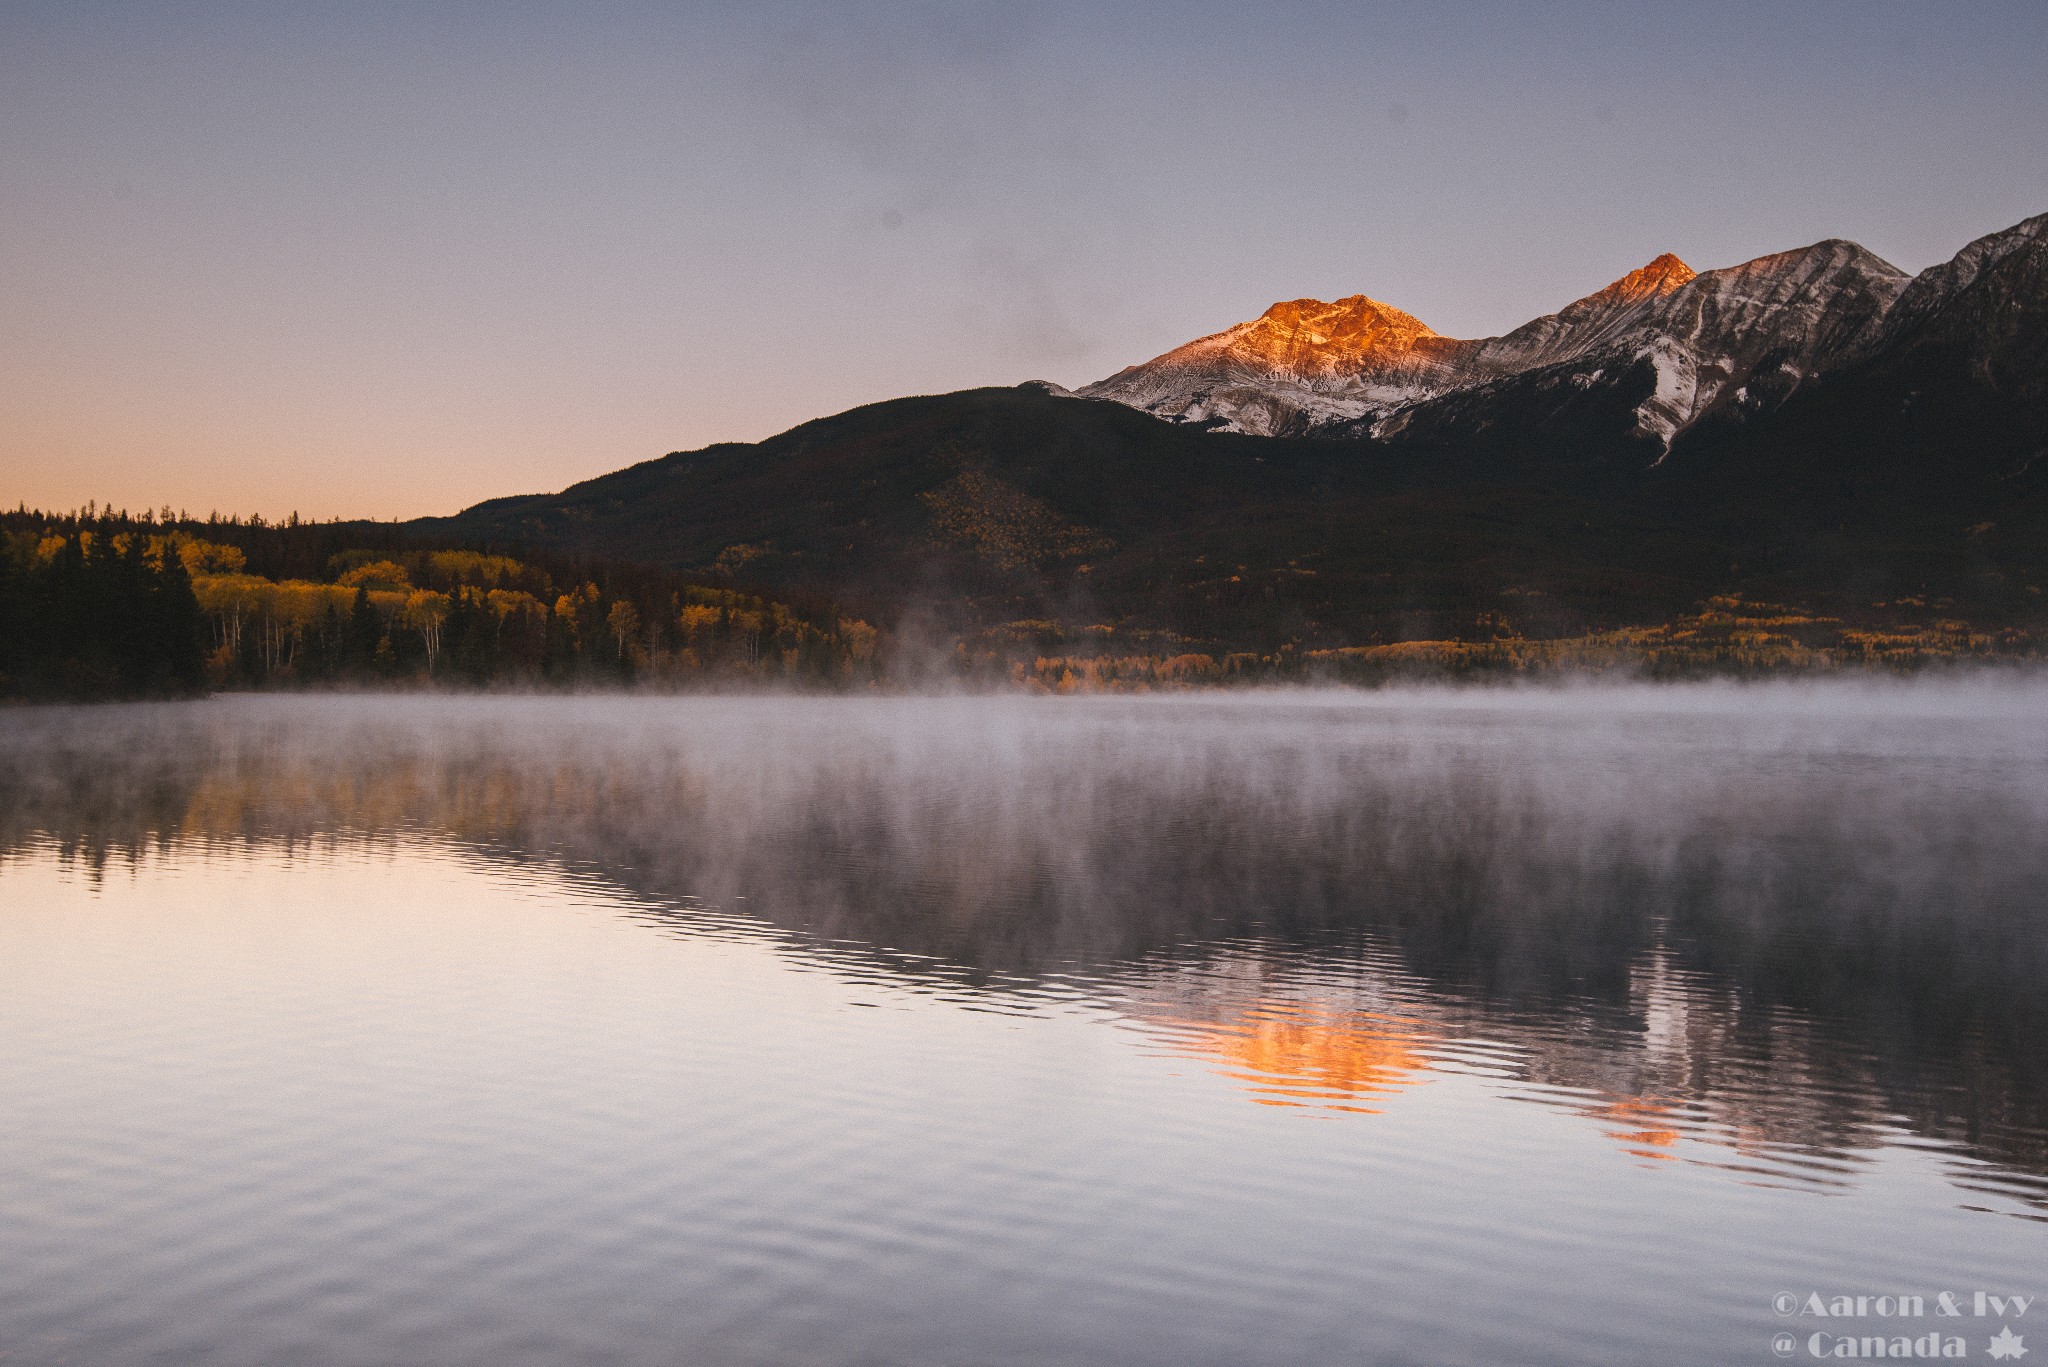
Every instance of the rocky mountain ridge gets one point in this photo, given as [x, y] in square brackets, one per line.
[1667, 346]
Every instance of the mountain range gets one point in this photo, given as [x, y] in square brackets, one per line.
[1814, 427]
[1683, 347]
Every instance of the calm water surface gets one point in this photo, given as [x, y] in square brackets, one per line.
[1544, 1028]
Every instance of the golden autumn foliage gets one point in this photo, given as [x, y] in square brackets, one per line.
[473, 568]
[505, 602]
[1726, 634]
[372, 622]
[624, 622]
[132, 606]
[1116, 673]
[378, 574]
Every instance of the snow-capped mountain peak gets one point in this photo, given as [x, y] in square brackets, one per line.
[1306, 365]
[1675, 345]
[1300, 363]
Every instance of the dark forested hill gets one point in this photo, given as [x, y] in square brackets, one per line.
[993, 506]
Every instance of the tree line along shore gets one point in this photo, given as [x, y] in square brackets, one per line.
[102, 605]
[110, 605]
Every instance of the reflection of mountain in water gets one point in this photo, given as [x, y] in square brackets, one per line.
[1296, 1052]
[1681, 1073]
[1769, 931]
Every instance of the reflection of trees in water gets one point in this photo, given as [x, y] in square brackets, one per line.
[1771, 940]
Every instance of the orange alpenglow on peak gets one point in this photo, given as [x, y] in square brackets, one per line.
[1354, 319]
[1661, 276]
[1298, 331]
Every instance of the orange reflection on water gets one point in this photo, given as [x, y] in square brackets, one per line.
[1290, 1053]
[1637, 1120]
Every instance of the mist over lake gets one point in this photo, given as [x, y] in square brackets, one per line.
[1564, 1025]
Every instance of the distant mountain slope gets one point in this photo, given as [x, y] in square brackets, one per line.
[1930, 443]
[1986, 310]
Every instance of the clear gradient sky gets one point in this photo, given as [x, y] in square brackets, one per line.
[390, 259]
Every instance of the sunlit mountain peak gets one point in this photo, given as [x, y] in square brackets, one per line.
[1297, 329]
[1659, 277]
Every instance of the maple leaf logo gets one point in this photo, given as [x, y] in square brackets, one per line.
[2008, 1344]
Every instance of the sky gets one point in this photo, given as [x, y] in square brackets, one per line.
[386, 260]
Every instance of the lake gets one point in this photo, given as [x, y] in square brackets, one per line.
[1603, 1025]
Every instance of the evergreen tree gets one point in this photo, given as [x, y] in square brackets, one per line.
[181, 631]
[359, 643]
